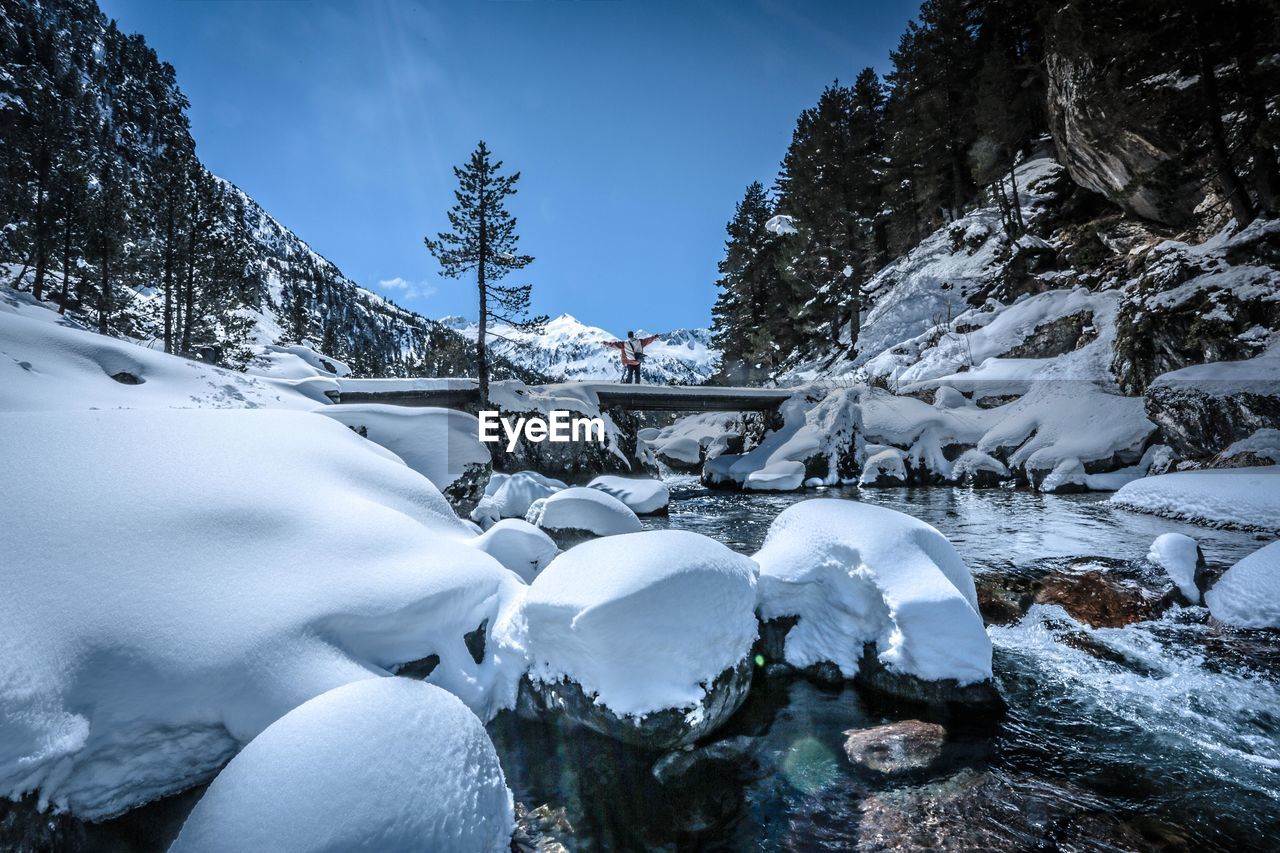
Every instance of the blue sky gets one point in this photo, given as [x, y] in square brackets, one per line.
[636, 125]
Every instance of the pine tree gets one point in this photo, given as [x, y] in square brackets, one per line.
[483, 240]
[742, 322]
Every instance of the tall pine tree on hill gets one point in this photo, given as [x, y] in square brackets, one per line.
[483, 240]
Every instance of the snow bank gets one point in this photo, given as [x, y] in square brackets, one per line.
[511, 495]
[518, 546]
[644, 497]
[222, 568]
[1259, 375]
[1178, 555]
[819, 441]
[295, 361]
[855, 573]
[1248, 595]
[383, 763]
[442, 445]
[581, 508]
[644, 621]
[1247, 498]
[48, 363]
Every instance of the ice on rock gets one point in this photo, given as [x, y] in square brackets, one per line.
[384, 764]
[645, 623]
[440, 444]
[1179, 556]
[510, 496]
[643, 496]
[519, 546]
[854, 574]
[1248, 595]
[581, 509]
[232, 567]
[1247, 498]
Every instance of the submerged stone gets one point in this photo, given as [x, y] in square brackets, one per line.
[895, 747]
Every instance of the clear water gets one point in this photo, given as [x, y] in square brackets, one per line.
[1177, 748]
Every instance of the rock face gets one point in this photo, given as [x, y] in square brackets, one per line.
[661, 730]
[1108, 133]
[895, 747]
[1198, 424]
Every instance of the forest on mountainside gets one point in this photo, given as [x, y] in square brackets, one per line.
[1165, 113]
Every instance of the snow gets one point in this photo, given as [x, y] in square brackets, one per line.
[1247, 498]
[295, 361]
[1248, 594]
[972, 462]
[568, 349]
[581, 508]
[48, 363]
[643, 496]
[781, 226]
[884, 465]
[691, 438]
[510, 496]
[855, 573]
[222, 568]
[518, 546]
[1264, 444]
[1259, 375]
[644, 621]
[378, 764]
[440, 444]
[1178, 555]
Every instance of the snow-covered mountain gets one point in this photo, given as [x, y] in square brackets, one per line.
[570, 349]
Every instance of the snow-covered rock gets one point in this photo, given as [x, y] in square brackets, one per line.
[511, 495]
[1179, 555]
[644, 497]
[645, 636]
[519, 546]
[237, 565]
[383, 763]
[579, 511]
[884, 468]
[975, 468]
[442, 445]
[877, 593]
[1245, 498]
[1260, 448]
[686, 443]
[1248, 594]
[295, 361]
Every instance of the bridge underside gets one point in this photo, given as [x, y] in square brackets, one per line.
[657, 398]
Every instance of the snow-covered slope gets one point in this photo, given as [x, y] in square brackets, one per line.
[569, 349]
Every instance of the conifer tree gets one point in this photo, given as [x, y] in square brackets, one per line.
[742, 320]
[483, 240]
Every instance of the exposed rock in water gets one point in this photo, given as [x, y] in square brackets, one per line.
[895, 747]
[542, 830]
[24, 827]
[873, 675]
[992, 811]
[1099, 592]
[735, 756]
[662, 730]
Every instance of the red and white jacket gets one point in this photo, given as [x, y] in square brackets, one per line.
[631, 347]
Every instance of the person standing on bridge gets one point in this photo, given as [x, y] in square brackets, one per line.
[632, 355]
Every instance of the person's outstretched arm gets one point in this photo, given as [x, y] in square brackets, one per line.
[614, 344]
[644, 342]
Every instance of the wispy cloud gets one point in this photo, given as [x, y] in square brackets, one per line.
[402, 288]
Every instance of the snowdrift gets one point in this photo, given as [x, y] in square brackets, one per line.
[383, 763]
[1246, 498]
[218, 569]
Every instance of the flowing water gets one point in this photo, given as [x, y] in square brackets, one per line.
[1172, 742]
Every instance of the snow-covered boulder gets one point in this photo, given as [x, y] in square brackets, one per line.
[684, 445]
[1260, 448]
[978, 469]
[578, 512]
[238, 564]
[644, 637]
[643, 496]
[878, 594]
[295, 361]
[1248, 594]
[519, 546]
[511, 495]
[442, 445]
[383, 763]
[1179, 555]
[884, 468]
[1245, 498]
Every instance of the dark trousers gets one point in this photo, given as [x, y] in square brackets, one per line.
[632, 375]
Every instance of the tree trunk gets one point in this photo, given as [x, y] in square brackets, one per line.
[42, 197]
[66, 262]
[168, 275]
[1220, 155]
[104, 298]
[189, 299]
